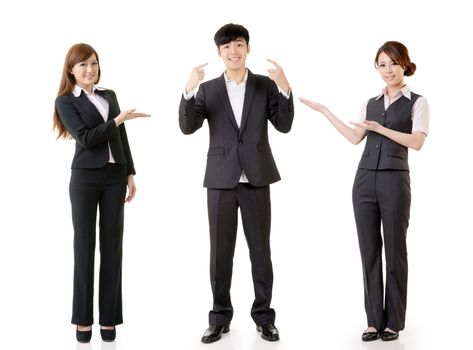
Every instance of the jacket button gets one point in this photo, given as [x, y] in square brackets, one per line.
[377, 146]
[240, 142]
[382, 115]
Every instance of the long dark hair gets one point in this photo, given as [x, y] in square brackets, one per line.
[77, 53]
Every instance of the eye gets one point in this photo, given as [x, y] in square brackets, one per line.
[382, 65]
[95, 63]
[82, 64]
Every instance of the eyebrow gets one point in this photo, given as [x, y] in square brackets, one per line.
[239, 40]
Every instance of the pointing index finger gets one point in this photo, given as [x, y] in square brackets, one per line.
[273, 63]
[202, 65]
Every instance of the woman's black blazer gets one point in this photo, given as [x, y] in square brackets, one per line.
[84, 122]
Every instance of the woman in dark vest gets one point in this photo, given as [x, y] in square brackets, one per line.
[393, 121]
[102, 170]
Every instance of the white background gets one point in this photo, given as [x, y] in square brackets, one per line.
[147, 51]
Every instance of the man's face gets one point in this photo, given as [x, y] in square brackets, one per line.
[234, 54]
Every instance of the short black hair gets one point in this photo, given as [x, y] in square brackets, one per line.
[231, 32]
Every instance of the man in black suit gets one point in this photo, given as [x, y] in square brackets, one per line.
[240, 168]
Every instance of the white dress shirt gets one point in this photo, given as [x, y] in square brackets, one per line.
[236, 95]
[100, 103]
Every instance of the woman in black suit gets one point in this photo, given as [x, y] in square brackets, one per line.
[102, 169]
[393, 121]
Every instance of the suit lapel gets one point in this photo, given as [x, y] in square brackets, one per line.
[92, 108]
[249, 94]
[223, 95]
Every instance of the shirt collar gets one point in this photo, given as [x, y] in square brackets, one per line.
[78, 90]
[244, 79]
[406, 91]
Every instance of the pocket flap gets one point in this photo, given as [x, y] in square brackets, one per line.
[398, 153]
[216, 151]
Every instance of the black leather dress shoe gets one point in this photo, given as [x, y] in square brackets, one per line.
[370, 336]
[388, 336]
[83, 336]
[108, 334]
[269, 332]
[214, 333]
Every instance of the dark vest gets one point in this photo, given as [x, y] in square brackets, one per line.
[380, 152]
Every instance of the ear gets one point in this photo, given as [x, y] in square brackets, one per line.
[218, 52]
[248, 48]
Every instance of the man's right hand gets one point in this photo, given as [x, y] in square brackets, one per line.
[197, 75]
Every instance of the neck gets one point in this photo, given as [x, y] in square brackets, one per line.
[88, 88]
[394, 89]
[236, 75]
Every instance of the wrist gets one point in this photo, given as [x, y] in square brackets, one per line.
[286, 88]
[119, 120]
[189, 89]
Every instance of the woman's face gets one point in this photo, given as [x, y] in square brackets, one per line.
[86, 72]
[391, 72]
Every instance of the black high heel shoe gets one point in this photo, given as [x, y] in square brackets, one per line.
[370, 336]
[108, 334]
[83, 336]
[388, 336]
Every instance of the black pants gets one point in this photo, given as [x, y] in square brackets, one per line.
[383, 197]
[106, 188]
[255, 207]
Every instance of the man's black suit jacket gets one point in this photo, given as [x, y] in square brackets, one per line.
[84, 122]
[231, 148]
